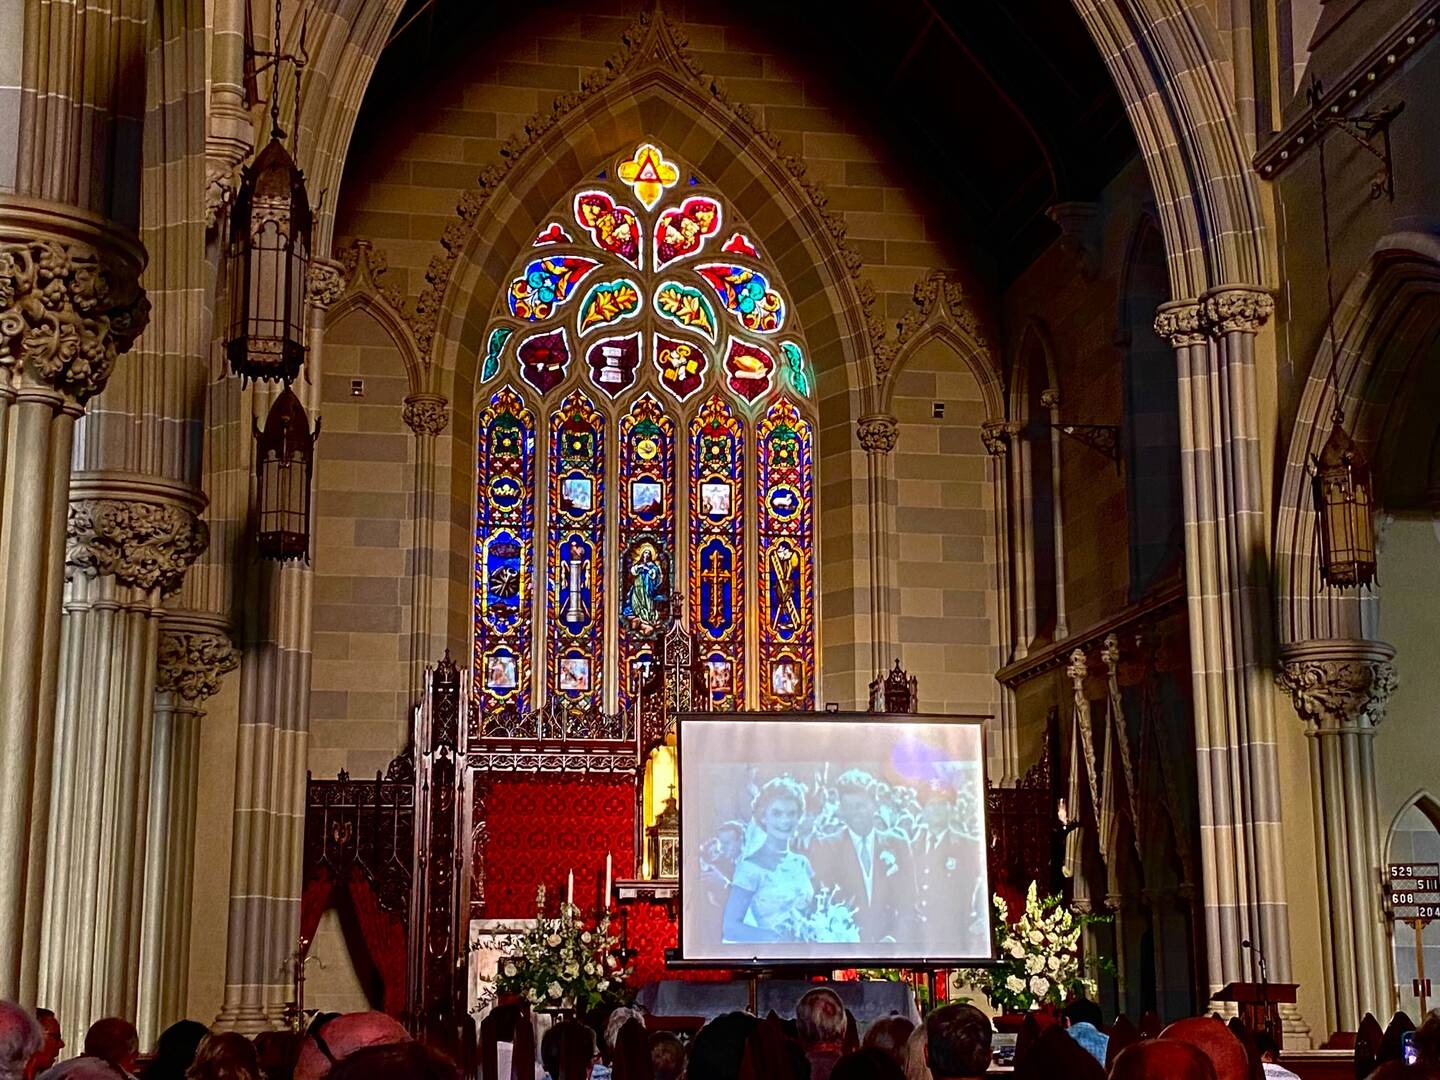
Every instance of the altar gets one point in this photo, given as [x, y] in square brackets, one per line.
[448, 850]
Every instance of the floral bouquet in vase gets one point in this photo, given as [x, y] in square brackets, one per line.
[1039, 957]
[564, 963]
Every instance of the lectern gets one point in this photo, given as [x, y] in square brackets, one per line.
[1260, 1004]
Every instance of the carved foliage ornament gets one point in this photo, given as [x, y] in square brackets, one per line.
[878, 433]
[192, 663]
[326, 283]
[144, 545]
[1221, 312]
[66, 312]
[1341, 694]
[996, 435]
[426, 415]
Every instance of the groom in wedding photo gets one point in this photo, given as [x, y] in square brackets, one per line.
[873, 867]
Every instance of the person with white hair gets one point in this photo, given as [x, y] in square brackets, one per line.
[617, 1020]
[20, 1037]
[83, 1067]
[820, 1022]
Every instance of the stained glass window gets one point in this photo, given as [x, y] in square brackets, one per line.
[647, 538]
[786, 563]
[504, 551]
[576, 612]
[644, 325]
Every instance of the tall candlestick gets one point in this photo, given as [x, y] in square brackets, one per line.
[609, 872]
[570, 890]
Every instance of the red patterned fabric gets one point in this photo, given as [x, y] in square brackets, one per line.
[650, 931]
[538, 828]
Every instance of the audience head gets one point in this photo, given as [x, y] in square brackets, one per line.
[332, 1038]
[1083, 1011]
[175, 1049]
[667, 1056]
[568, 1051]
[20, 1039]
[1054, 1053]
[1162, 1059]
[1427, 1042]
[51, 1043]
[224, 1056]
[114, 1041]
[396, 1061]
[957, 1042]
[868, 1063]
[276, 1051]
[617, 1020]
[820, 1017]
[719, 1047]
[888, 1034]
[913, 1061]
[1213, 1039]
[82, 1068]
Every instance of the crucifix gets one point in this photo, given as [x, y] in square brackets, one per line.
[717, 577]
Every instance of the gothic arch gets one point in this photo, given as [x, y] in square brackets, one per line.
[1397, 292]
[363, 292]
[1127, 313]
[941, 313]
[653, 91]
[1422, 800]
[1034, 339]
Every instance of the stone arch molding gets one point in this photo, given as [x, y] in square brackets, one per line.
[1404, 268]
[364, 267]
[942, 313]
[1036, 330]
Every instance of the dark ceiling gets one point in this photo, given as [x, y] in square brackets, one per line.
[1000, 108]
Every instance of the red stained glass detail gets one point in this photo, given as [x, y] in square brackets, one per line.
[683, 230]
[612, 227]
[554, 233]
[748, 369]
[739, 244]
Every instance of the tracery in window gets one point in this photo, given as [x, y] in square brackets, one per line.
[675, 457]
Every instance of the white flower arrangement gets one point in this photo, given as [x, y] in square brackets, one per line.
[1039, 956]
[563, 962]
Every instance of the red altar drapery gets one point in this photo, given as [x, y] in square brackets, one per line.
[374, 937]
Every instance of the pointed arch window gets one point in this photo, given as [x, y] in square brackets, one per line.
[675, 457]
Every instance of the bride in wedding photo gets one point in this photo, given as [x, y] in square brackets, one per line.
[773, 888]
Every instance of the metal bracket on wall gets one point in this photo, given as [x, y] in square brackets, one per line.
[1104, 438]
[1372, 131]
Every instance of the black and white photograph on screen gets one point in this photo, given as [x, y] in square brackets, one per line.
[828, 839]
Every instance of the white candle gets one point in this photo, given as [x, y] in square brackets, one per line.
[609, 869]
[570, 889]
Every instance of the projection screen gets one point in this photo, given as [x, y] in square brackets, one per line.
[850, 838]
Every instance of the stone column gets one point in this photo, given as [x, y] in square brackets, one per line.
[878, 434]
[70, 302]
[1340, 688]
[427, 415]
[127, 545]
[194, 653]
[1228, 594]
[1050, 399]
[270, 755]
[995, 435]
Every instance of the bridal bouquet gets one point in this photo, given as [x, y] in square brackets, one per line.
[565, 962]
[829, 921]
[1039, 958]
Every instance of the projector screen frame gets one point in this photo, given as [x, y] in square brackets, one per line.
[676, 958]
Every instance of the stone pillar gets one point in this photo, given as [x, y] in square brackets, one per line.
[270, 755]
[70, 302]
[995, 435]
[1228, 590]
[1050, 399]
[1340, 688]
[127, 546]
[427, 415]
[194, 653]
[878, 434]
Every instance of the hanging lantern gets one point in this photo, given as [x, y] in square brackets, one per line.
[269, 257]
[284, 457]
[1345, 508]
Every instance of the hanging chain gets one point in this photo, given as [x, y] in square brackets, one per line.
[275, 76]
[1339, 414]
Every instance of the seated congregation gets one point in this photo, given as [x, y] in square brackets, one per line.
[822, 1042]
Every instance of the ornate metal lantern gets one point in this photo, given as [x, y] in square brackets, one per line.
[284, 457]
[269, 256]
[1345, 508]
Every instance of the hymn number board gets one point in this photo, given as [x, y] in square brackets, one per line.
[1414, 890]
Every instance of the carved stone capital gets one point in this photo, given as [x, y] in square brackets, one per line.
[219, 190]
[426, 414]
[1239, 307]
[1050, 398]
[1338, 685]
[878, 433]
[1179, 324]
[326, 283]
[146, 545]
[192, 662]
[1077, 668]
[70, 297]
[996, 435]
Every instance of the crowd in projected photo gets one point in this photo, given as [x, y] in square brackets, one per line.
[830, 855]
